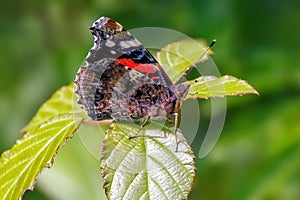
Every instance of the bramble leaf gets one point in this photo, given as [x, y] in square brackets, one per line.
[61, 102]
[211, 86]
[53, 124]
[148, 166]
[21, 164]
[176, 58]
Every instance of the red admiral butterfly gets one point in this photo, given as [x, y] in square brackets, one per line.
[122, 81]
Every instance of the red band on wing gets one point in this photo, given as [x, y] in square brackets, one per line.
[144, 68]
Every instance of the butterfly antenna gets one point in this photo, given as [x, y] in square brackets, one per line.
[213, 42]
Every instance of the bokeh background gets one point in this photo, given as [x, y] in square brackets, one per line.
[43, 43]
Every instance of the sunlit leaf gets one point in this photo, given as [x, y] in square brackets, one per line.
[21, 164]
[178, 57]
[211, 86]
[146, 167]
[55, 122]
[63, 101]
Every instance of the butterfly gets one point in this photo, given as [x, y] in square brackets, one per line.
[122, 81]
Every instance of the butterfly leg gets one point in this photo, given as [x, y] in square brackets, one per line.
[175, 130]
[146, 119]
[176, 120]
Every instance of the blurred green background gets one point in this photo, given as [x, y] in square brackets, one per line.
[43, 43]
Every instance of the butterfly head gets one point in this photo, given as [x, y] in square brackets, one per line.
[181, 91]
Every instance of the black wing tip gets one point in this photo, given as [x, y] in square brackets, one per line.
[106, 26]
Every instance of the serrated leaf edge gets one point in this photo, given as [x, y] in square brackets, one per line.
[31, 187]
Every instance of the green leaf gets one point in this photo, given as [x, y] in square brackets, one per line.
[75, 174]
[211, 86]
[146, 167]
[54, 123]
[21, 164]
[62, 101]
[176, 58]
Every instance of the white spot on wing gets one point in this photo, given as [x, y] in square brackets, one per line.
[124, 44]
[133, 43]
[110, 43]
[129, 43]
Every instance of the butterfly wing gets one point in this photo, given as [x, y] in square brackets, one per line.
[116, 69]
[111, 40]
